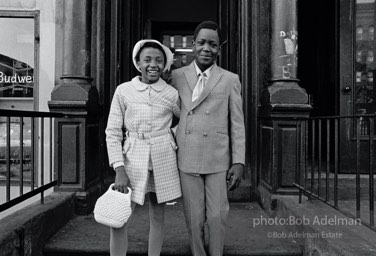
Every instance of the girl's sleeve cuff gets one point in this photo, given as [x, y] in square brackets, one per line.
[117, 164]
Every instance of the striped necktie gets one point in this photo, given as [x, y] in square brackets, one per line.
[199, 86]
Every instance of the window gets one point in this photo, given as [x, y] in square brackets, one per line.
[365, 67]
[18, 51]
[181, 46]
[365, 98]
[359, 33]
[19, 46]
[371, 33]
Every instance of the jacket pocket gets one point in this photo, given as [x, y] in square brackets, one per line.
[219, 95]
[225, 132]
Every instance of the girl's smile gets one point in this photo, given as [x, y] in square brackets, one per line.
[151, 65]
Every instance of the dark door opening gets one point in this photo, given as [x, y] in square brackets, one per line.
[173, 24]
[317, 64]
[336, 67]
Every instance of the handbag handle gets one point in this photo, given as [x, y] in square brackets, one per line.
[112, 188]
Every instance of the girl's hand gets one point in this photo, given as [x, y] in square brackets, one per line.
[122, 181]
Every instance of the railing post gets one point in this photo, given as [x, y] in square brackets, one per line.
[77, 137]
[282, 102]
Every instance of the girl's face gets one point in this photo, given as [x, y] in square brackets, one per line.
[151, 64]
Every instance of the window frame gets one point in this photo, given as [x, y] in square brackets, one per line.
[35, 15]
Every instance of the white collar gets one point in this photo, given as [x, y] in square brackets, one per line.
[140, 86]
[207, 71]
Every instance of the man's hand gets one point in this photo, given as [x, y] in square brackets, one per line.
[122, 181]
[234, 176]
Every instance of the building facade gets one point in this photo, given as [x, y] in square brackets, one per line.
[76, 53]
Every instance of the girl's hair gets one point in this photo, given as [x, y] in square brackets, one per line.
[151, 45]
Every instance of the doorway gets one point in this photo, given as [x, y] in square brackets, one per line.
[167, 21]
[336, 67]
[173, 23]
[318, 66]
[132, 20]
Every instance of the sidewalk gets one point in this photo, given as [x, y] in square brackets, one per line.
[83, 236]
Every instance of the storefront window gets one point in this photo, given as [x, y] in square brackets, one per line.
[364, 93]
[17, 61]
[18, 67]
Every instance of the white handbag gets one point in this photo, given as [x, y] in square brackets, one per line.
[113, 208]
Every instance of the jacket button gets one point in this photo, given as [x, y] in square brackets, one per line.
[190, 112]
[205, 134]
[207, 112]
[187, 132]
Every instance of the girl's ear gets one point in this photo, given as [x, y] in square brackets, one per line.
[138, 65]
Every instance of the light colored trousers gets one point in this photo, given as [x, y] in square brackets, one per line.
[119, 236]
[205, 199]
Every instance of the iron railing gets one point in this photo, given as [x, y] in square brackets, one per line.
[339, 157]
[23, 155]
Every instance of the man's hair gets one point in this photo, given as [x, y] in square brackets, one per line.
[208, 25]
[151, 45]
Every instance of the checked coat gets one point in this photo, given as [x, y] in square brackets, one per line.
[147, 109]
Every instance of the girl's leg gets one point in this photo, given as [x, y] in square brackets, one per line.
[118, 241]
[119, 238]
[156, 233]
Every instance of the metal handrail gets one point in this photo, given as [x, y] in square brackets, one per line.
[34, 116]
[326, 149]
[303, 118]
[24, 113]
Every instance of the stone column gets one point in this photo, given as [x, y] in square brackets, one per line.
[281, 102]
[76, 137]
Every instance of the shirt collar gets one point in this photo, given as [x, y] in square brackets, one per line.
[140, 86]
[207, 71]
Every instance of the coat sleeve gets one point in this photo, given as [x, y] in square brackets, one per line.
[176, 106]
[237, 129]
[114, 129]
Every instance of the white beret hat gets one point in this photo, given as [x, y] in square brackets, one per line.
[139, 44]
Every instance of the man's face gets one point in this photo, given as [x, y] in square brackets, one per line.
[206, 48]
[151, 64]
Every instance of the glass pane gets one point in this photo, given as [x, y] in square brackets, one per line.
[16, 57]
[181, 46]
[365, 88]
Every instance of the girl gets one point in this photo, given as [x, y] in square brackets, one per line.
[141, 114]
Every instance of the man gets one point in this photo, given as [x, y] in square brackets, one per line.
[211, 139]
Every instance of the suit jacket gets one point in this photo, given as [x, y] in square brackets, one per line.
[211, 133]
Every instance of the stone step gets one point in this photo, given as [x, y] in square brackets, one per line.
[83, 236]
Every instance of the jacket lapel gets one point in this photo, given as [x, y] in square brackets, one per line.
[215, 75]
[191, 76]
